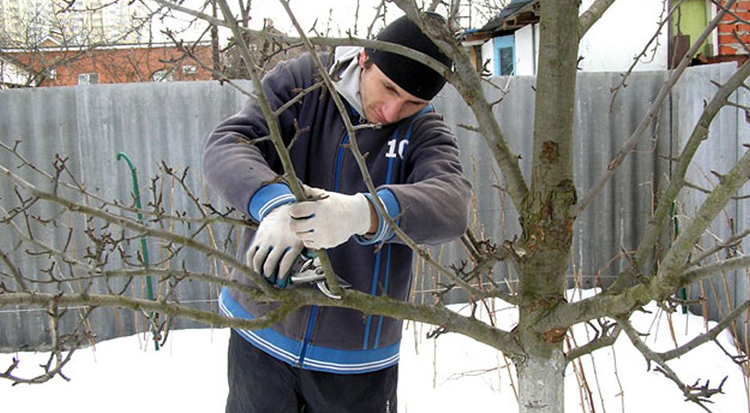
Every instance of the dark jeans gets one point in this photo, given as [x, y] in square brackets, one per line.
[259, 383]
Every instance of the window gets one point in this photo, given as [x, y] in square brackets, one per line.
[506, 61]
[189, 70]
[88, 78]
[504, 55]
[163, 75]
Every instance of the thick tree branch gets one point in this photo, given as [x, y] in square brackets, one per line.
[141, 305]
[604, 341]
[676, 258]
[707, 271]
[625, 301]
[449, 320]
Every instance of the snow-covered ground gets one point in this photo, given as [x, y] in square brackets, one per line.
[452, 374]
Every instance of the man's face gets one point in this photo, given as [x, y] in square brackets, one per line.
[383, 100]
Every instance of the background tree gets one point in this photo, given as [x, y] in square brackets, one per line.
[548, 204]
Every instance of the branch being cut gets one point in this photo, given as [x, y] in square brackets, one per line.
[468, 83]
[360, 159]
[464, 78]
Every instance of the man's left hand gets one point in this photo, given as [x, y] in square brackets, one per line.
[330, 218]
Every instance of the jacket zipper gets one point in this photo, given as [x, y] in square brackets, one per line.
[308, 333]
[340, 161]
[314, 309]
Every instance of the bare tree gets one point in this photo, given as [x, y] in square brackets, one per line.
[547, 205]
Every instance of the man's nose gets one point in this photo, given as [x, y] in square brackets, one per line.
[392, 111]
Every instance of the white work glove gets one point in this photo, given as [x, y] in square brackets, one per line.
[330, 218]
[274, 248]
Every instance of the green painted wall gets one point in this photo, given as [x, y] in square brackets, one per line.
[691, 19]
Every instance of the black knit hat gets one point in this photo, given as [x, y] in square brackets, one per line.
[412, 76]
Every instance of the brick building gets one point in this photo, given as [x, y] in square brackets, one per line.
[54, 65]
[734, 31]
[729, 41]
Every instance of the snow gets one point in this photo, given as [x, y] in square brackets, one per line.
[450, 374]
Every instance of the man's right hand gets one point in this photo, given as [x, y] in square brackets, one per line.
[275, 247]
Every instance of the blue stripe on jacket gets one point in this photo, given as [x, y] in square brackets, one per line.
[316, 358]
[267, 198]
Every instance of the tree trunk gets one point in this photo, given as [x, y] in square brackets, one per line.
[541, 384]
[547, 219]
[541, 368]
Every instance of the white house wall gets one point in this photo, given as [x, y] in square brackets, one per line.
[621, 35]
[527, 50]
[610, 45]
[488, 56]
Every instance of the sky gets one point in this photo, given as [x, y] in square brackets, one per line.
[333, 16]
[450, 374]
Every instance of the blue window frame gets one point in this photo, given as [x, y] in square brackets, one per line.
[504, 55]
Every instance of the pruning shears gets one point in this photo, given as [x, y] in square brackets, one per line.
[308, 270]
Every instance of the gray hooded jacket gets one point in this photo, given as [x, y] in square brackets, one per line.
[415, 166]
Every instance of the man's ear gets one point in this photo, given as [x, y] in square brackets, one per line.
[363, 58]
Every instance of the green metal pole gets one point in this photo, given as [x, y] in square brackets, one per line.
[676, 223]
[144, 248]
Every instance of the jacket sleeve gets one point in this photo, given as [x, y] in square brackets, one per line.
[244, 171]
[432, 205]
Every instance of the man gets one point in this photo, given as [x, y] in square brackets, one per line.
[333, 359]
